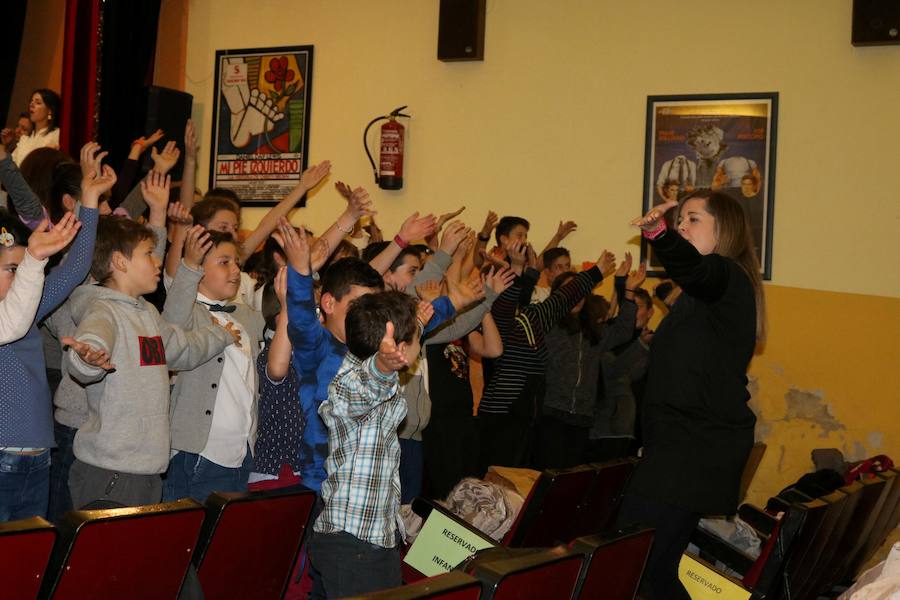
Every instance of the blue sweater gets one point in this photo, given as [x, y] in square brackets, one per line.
[26, 418]
[317, 355]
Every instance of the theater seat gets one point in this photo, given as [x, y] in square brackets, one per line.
[255, 532]
[455, 585]
[549, 573]
[134, 553]
[613, 563]
[25, 548]
[568, 503]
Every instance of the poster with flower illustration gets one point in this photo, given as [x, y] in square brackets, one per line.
[260, 133]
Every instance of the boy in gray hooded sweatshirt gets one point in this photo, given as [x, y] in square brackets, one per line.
[122, 352]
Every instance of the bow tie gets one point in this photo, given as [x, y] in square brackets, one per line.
[229, 308]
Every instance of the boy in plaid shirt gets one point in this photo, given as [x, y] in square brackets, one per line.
[355, 545]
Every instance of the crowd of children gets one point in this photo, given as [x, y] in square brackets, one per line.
[183, 357]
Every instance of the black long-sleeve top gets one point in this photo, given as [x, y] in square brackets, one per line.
[697, 427]
[522, 329]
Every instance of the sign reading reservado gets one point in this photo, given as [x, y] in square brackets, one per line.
[703, 583]
[442, 544]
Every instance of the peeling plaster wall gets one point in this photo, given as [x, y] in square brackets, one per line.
[829, 377]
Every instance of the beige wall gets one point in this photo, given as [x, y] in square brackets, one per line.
[551, 124]
[40, 57]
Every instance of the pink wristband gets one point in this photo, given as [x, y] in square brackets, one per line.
[401, 242]
[657, 231]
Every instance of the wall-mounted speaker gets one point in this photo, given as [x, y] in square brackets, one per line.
[461, 30]
[876, 22]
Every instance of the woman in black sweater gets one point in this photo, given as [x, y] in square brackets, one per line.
[698, 429]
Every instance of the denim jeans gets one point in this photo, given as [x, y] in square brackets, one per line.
[411, 458]
[24, 485]
[348, 566]
[192, 476]
[62, 458]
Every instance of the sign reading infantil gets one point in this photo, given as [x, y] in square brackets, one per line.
[442, 544]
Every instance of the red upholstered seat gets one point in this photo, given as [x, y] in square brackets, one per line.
[613, 564]
[25, 548]
[134, 553]
[568, 503]
[551, 573]
[256, 532]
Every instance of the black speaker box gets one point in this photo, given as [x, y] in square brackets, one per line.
[876, 22]
[461, 30]
[169, 110]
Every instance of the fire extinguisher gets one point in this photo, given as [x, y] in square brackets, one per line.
[389, 173]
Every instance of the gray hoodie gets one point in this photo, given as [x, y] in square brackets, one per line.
[127, 428]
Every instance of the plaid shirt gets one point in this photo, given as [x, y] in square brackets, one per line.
[362, 490]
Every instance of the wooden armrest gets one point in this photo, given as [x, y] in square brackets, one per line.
[761, 521]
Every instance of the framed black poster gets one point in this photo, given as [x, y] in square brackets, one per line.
[260, 132]
[722, 142]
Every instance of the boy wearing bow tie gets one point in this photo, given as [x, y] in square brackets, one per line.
[215, 405]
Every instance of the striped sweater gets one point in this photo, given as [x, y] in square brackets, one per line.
[522, 327]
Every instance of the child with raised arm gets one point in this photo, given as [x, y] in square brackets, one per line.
[214, 405]
[355, 544]
[122, 352]
[22, 284]
[25, 440]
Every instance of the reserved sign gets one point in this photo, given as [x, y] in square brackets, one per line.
[442, 544]
[704, 583]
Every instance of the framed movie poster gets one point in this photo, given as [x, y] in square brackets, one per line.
[724, 142]
[260, 133]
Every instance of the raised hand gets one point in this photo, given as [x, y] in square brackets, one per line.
[190, 141]
[424, 312]
[499, 280]
[636, 278]
[7, 136]
[88, 355]
[295, 246]
[155, 190]
[565, 228]
[489, 223]
[44, 243]
[280, 286]
[146, 142]
[316, 173]
[91, 159]
[495, 260]
[447, 216]
[164, 161]
[464, 293]
[429, 290]
[516, 252]
[607, 263]
[179, 215]
[196, 245]
[650, 221]
[454, 235]
[389, 357]
[624, 266]
[360, 204]
[417, 228]
[95, 184]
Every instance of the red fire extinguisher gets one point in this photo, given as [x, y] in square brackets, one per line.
[389, 173]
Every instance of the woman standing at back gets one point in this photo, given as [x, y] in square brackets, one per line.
[45, 111]
[698, 429]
